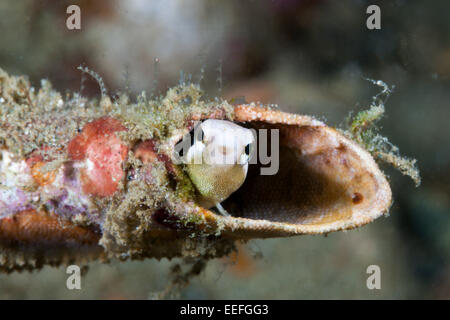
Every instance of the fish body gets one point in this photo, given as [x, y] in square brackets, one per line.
[217, 162]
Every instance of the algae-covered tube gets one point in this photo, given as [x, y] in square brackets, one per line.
[83, 179]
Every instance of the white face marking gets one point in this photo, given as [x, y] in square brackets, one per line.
[223, 143]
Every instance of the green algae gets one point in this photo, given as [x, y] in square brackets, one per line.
[32, 120]
[363, 129]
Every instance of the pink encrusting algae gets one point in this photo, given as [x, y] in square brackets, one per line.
[103, 155]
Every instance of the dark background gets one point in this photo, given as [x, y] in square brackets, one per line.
[310, 57]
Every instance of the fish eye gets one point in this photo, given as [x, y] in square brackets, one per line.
[182, 145]
[192, 137]
[200, 135]
[181, 152]
[247, 149]
[197, 134]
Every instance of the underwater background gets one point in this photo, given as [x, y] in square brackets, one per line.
[310, 57]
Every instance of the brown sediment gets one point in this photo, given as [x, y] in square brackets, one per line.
[31, 227]
[31, 239]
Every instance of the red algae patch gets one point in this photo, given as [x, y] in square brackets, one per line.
[103, 153]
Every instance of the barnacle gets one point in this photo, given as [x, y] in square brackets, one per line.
[109, 183]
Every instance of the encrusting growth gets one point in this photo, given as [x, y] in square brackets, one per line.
[363, 129]
[99, 177]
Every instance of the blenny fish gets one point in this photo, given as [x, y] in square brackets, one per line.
[84, 179]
